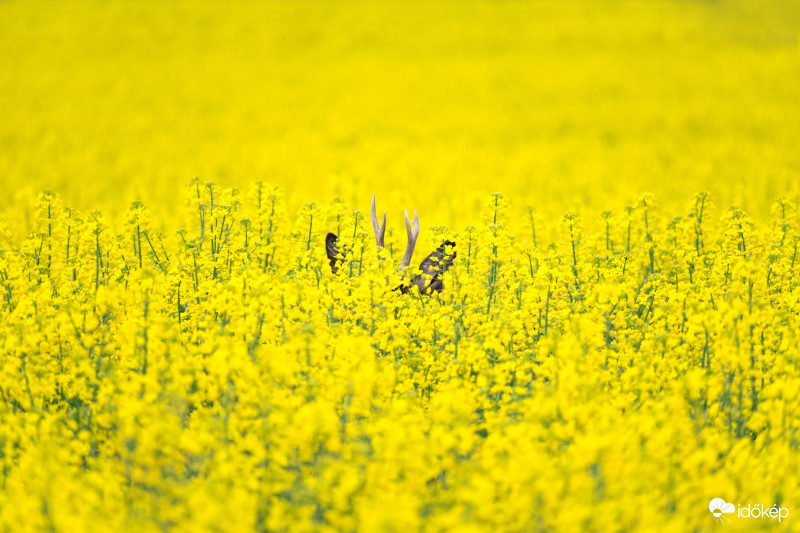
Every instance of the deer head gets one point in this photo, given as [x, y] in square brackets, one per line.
[432, 267]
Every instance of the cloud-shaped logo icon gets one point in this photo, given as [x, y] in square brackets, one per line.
[719, 508]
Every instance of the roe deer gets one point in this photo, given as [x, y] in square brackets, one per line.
[433, 266]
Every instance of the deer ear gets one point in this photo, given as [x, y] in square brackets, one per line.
[332, 251]
[444, 255]
[448, 253]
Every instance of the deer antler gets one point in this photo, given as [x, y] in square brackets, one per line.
[379, 231]
[413, 233]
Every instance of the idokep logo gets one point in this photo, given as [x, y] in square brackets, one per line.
[719, 508]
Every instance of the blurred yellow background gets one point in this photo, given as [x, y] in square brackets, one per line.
[560, 105]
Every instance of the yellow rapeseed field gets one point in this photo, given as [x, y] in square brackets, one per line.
[617, 344]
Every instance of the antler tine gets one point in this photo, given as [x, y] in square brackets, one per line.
[380, 231]
[413, 233]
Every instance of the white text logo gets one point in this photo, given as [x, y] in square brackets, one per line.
[719, 508]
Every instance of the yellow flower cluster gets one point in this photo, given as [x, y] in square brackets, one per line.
[220, 377]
